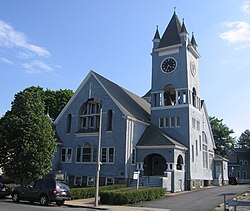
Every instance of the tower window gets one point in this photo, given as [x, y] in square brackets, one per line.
[194, 97]
[161, 122]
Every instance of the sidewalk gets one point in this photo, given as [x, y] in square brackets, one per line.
[89, 203]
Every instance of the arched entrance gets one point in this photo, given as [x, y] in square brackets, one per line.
[154, 165]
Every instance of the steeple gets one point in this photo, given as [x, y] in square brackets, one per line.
[157, 38]
[171, 35]
[193, 41]
[183, 29]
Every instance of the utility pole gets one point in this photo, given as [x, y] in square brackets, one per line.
[98, 167]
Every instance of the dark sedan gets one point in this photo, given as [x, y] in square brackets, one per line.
[4, 190]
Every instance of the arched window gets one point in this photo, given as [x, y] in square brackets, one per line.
[109, 120]
[169, 95]
[194, 97]
[68, 129]
[179, 162]
[90, 115]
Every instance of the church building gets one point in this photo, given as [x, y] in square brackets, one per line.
[165, 135]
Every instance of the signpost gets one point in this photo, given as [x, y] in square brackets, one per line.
[136, 176]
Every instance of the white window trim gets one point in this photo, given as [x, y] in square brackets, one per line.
[66, 155]
[112, 178]
[88, 180]
[75, 180]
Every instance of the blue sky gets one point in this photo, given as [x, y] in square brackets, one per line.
[54, 44]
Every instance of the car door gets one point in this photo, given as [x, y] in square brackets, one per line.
[25, 192]
[34, 192]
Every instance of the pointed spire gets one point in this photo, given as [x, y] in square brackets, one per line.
[193, 41]
[171, 34]
[183, 28]
[157, 34]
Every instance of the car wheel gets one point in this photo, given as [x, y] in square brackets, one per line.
[60, 203]
[44, 200]
[15, 197]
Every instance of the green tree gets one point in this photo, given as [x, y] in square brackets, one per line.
[222, 136]
[27, 140]
[244, 139]
[54, 100]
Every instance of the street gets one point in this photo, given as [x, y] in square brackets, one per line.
[205, 199]
[8, 205]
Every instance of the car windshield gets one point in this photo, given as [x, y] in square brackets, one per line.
[62, 186]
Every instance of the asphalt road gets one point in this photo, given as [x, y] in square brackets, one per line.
[8, 205]
[201, 200]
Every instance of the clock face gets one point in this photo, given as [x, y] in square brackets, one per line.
[193, 68]
[168, 65]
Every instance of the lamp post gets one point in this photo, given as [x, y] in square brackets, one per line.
[98, 162]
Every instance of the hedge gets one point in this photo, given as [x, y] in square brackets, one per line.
[131, 195]
[89, 192]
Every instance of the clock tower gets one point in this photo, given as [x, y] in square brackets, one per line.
[175, 91]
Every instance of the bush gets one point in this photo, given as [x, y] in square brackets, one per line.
[131, 195]
[89, 192]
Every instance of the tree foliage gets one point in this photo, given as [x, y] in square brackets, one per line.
[244, 139]
[27, 141]
[222, 136]
[54, 100]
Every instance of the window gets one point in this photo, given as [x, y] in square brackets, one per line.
[193, 123]
[78, 181]
[109, 120]
[90, 116]
[167, 122]
[172, 121]
[238, 174]
[68, 129]
[192, 153]
[133, 157]
[205, 150]
[196, 147]
[178, 121]
[161, 122]
[109, 181]
[241, 162]
[194, 97]
[91, 181]
[66, 155]
[179, 162]
[245, 174]
[198, 125]
[86, 153]
[107, 154]
[200, 142]
[246, 162]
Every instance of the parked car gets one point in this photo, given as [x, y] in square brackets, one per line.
[233, 180]
[43, 191]
[4, 190]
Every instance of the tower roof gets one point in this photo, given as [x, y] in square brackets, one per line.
[193, 41]
[171, 35]
[157, 35]
[183, 28]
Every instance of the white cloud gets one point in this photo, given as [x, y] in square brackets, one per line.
[6, 61]
[37, 66]
[238, 34]
[246, 7]
[10, 38]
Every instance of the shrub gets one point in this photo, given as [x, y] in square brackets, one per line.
[89, 192]
[131, 195]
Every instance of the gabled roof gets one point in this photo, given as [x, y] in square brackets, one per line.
[157, 35]
[153, 136]
[171, 35]
[129, 103]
